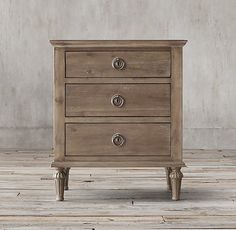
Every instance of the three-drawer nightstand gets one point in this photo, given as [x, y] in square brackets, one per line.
[118, 104]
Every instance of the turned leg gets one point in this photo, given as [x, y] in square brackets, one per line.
[168, 171]
[59, 183]
[67, 171]
[176, 178]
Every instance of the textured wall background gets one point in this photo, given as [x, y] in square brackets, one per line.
[26, 60]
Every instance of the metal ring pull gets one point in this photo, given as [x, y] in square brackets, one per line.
[117, 100]
[118, 140]
[118, 63]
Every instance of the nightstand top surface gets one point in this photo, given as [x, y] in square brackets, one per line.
[118, 43]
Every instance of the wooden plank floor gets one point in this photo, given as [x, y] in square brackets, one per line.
[102, 199]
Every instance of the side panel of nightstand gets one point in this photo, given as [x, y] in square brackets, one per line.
[59, 104]
[176, 103]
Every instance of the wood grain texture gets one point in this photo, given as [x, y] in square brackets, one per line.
[117, 43]
[96, 139]
[132, 91]
[176, 103]
[60, 177]
[140, 99]
[99, 64]
[133, 80]
[118, 197]
[148, 162]
[59, 103]
[118, 158]
[113, 120]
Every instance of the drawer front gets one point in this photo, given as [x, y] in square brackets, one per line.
[118, 100]
[117, 139]
[118, 64]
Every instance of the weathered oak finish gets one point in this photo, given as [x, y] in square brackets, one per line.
[96, 139]
[117, 44]
[134, 80]
[67, 172]
[176, 103]
[168, 180]
[139, 99]
[118, 162]
[108, 120]
[59, 103]
[137, 64]
[175, 179]
[118, 104]
[60, 177]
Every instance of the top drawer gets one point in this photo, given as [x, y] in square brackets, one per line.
[118, 64]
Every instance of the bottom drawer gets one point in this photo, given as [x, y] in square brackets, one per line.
[117, 139]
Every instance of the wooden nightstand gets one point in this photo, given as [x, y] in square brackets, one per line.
[118, 104]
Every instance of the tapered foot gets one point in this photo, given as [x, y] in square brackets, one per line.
[67, 171]
[60, 183]
[176, 178]
[168, 171]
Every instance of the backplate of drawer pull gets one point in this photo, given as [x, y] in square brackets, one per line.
[118, 63]
[118, 139]
[117, 100]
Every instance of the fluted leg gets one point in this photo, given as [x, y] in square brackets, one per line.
[168, 171]
[176, 178]
[60, 183]
[67, 171]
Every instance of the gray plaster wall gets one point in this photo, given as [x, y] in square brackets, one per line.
[26, 60]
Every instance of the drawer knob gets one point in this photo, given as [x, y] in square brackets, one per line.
[118, 139]
[118, 63]
[117, 100]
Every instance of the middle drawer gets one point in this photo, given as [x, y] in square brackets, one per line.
[117, 100]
